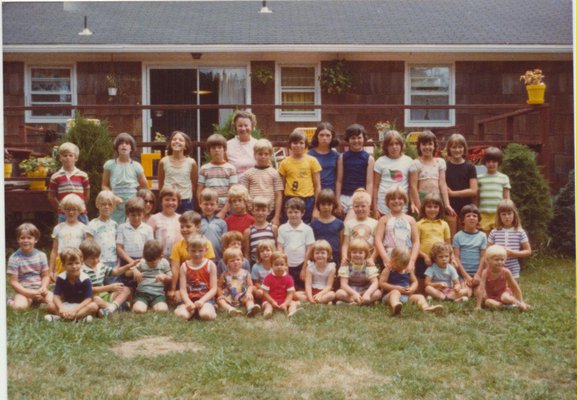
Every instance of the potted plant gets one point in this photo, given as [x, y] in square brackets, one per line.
[8, 160]
[112, 84]
[263, 75]
[535, 87]
[382, 127]
[336, 77]
[38, 168]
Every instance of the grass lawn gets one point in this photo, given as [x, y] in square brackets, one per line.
[331, 352]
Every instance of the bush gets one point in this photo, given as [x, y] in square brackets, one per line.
[96, 147]
[562, 226]
[529, 191]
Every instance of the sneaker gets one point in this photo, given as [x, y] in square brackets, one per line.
[88, 319]
[293, 312]
[253, 311]
[52, 317]
[463, 299]
[429, 299]
[436, 309]
[268, 315]
[397, 308]
[234, 312]
[104, 312]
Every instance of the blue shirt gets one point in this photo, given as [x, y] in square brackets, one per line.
[213, 229]
[355, 165]
[75, 292]
[328, 163]
[470, 246]
[330, 232]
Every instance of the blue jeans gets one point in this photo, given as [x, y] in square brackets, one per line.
[185, 205]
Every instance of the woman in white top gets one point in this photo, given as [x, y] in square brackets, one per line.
[240, 149]
[179, 170]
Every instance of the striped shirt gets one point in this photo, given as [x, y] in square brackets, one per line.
[149, 285]
[28, 268]
[509, 238]
[218, 177]
[491, 190]
[63, 184]
[263, 182]
[256, 235]
[133, 239]
[97, 274]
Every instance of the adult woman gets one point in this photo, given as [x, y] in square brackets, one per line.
[239, 150]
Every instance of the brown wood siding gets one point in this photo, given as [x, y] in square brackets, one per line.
[13, 96]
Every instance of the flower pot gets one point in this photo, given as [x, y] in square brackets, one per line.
[41, 172]
[7, 170]
[112, 91]
[536, 94]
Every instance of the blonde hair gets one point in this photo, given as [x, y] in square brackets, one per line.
[72, 200]
[260, 201]
[104, 197]
[208, 194]
[264, 244]
[401, 256]
[359, 244]
[239, 192]
[440, 248]
[194, 241]
[70, 254]
[69, 148]
[395, 192]
[230, 254]
[494, 251]
[322, 245]
[262, 145]
[361, 195]
[279, 255]
[454, 139]
[507, 205]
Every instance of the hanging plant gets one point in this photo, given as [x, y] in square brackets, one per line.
[336, 77]
[263, 75]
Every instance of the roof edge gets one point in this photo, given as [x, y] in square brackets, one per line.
[289, 48]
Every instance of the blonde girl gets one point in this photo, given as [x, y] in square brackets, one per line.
[427, 173]
[361, 225]
[391, 170]
[432, 229]
[509, 234]
[461, 177]
[235, 288]
[359, 279]
[397, 229]
[320, 275]
[263, 265]
[179, 170]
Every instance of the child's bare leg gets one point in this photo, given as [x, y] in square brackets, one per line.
[88, 309]
[508, 298]
[207, 312]
[20, 302]
[139, 307]
[161, 307]
[293, 308]
[375, 296]
[121, 296]
[224, 304]
[420, 301]
[100, 302]
[300, 296]
[267, 309]
[328, 297]
[393, 298]
[490, 303]
[342, 295]
[435, 293]
[182, 312]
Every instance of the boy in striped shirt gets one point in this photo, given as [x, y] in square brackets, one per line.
[494, 186]
[67, 180]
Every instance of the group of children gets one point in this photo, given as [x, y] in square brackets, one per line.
[272, 239]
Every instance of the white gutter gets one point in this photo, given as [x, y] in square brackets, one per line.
[289, 48]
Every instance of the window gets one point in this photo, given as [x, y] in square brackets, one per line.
[429, 85]
[48, 85]
[297, 84]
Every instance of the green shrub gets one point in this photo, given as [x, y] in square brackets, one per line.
[529, 191]
[96, 147]
[562, 226]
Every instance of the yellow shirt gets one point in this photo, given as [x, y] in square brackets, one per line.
[180, 251]
[298, 175]
[431, 232]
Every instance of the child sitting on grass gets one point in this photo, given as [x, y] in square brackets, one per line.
[361, 225]
[278, 288]
[320, 275]
[238, 202]
[198, 283]
[69, 233]
[231, 240]
[189, 226]
[262, 267]
[400, 284]
[441, 278]
[155, 274]
[359, 279]
[72, 299]
[260, 230]
[498, 287]
[235, 286]
[108, 297]
[28, 270]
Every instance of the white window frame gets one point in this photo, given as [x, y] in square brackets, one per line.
[29, 118]
[296, 116]
[451, 94]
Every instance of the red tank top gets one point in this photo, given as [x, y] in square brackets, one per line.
[495, 286]
[197, 280]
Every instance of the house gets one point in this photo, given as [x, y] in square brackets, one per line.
[410, 52]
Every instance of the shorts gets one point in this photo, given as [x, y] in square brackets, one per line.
[315, 291]
[149, 299]
[211, 301]
[185, 205]
[487, 221]
[403, 299]
[131, 283]
[106, 296]
[295, 272]
[420, 268]
[346, 203]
